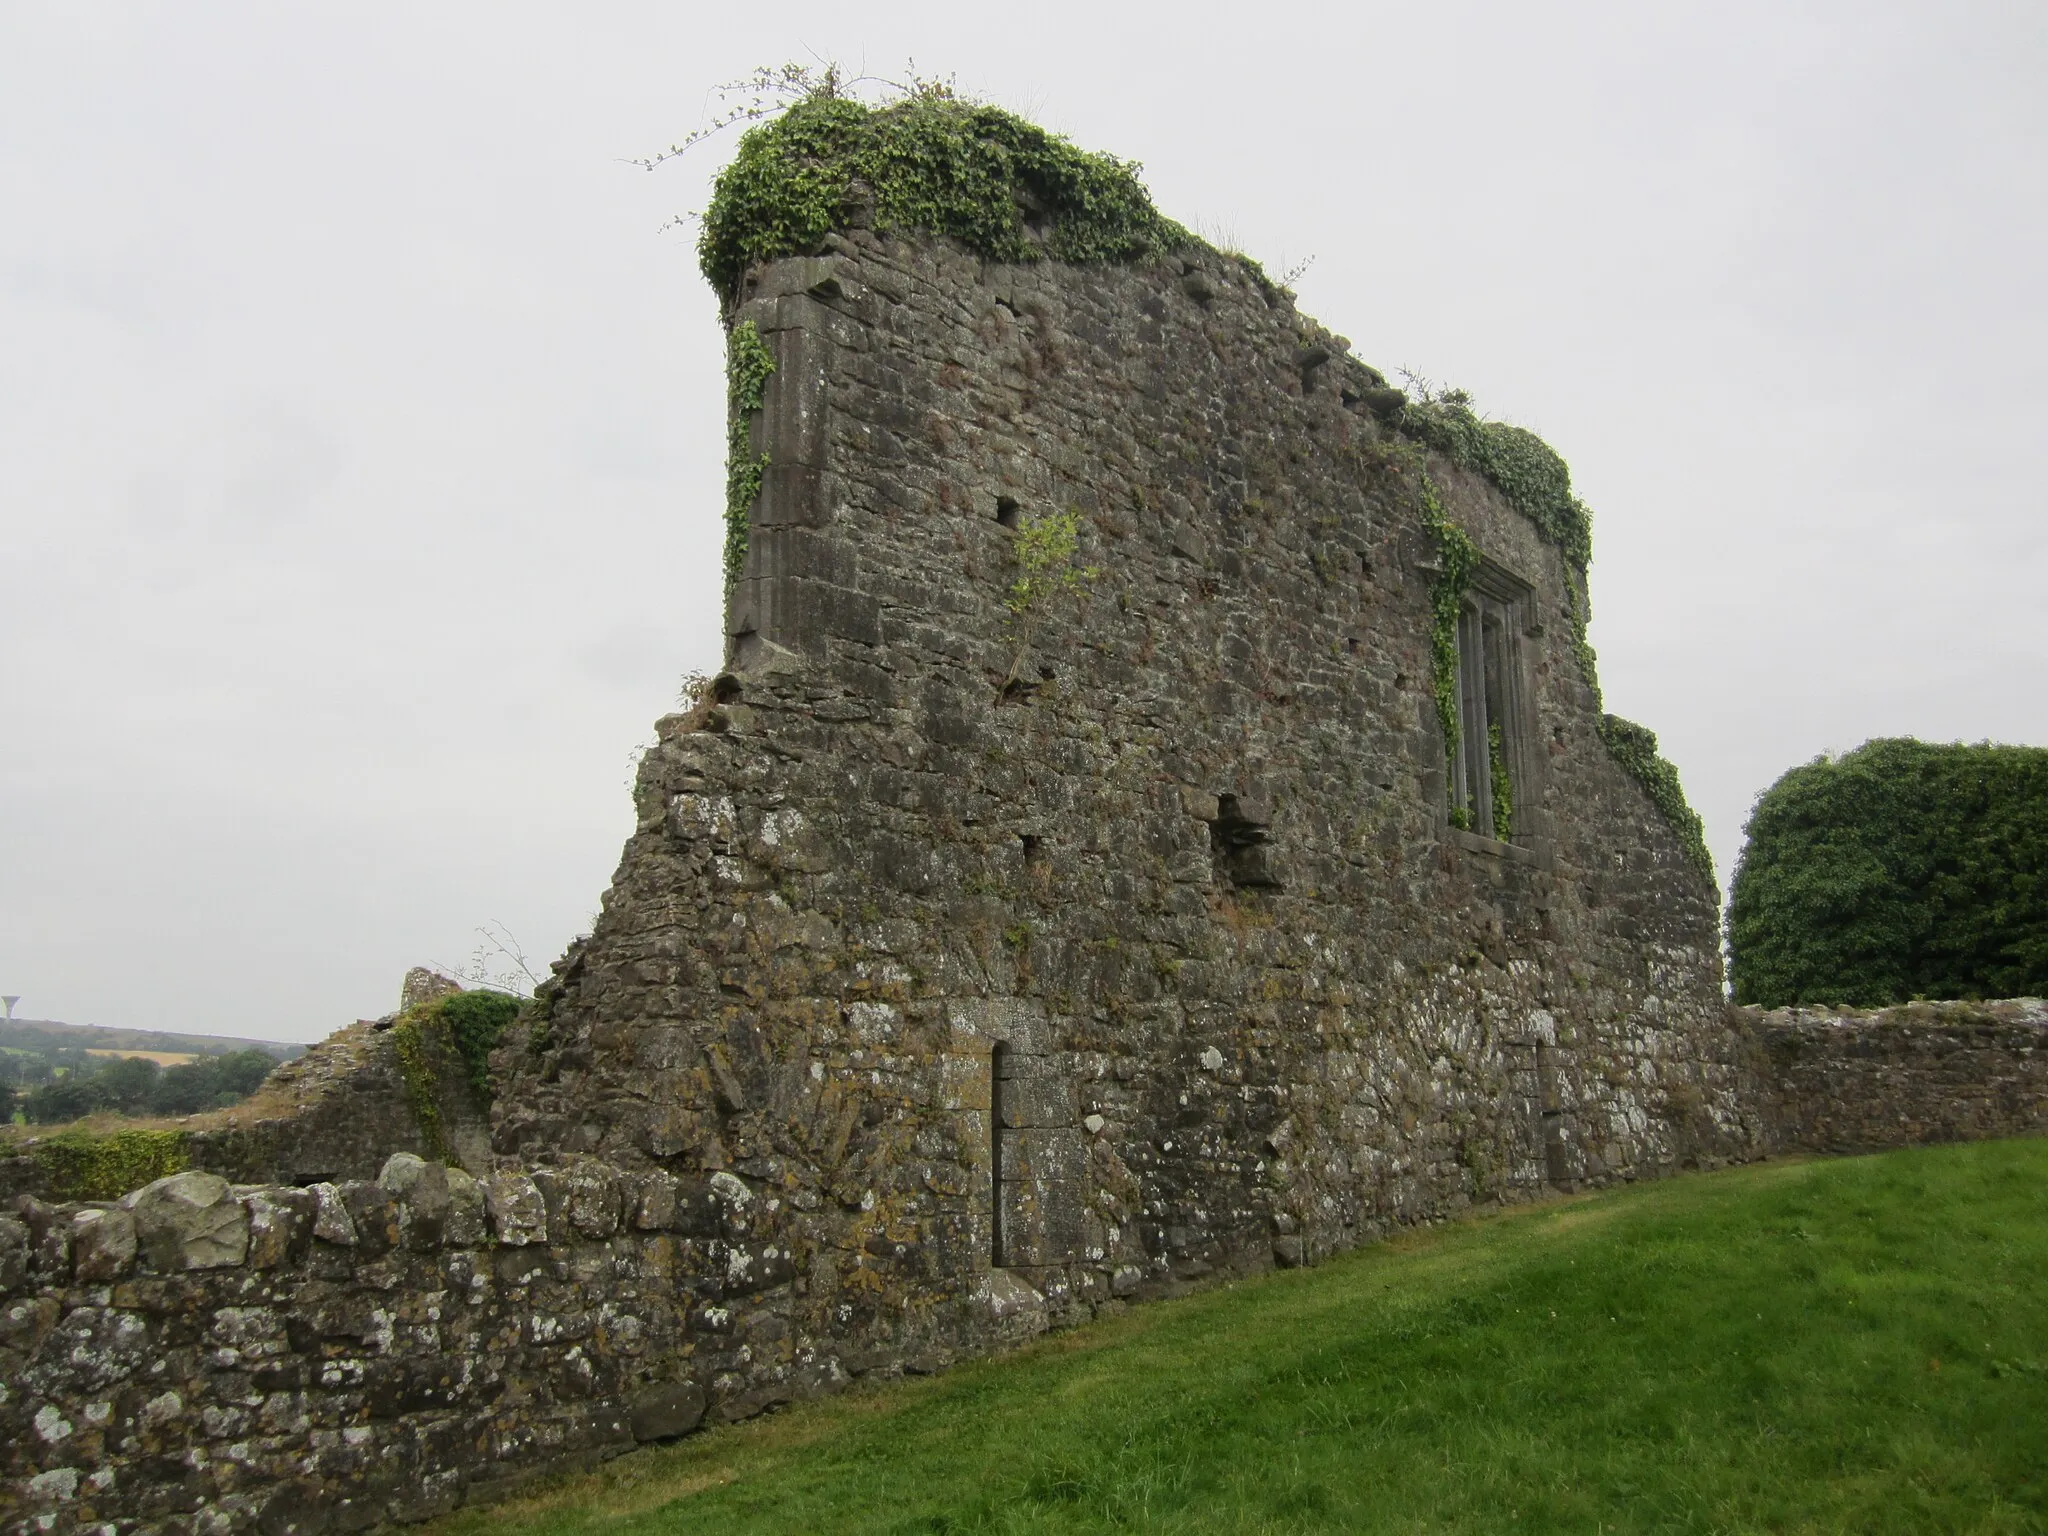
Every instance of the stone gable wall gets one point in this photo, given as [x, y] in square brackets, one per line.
[1191, 868]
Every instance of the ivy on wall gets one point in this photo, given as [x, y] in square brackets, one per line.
[929, 163]
[1524, 468]
[1457, 559]
[748, 363]
[1901, 870]
[1537, 482]
[1503, 785]
[466, 1024]
[79, 1165]
[1635, 748]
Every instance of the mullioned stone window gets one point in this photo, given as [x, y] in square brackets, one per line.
[1489, 775]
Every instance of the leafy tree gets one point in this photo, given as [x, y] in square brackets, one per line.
[1897, 871]
[212, 1082]
[124, 1084]
[61, 1099]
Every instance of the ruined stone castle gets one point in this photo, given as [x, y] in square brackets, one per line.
[1131, 842]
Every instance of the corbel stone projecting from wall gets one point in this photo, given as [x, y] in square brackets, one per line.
[1841, 1080]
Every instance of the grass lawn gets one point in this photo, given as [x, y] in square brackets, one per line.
[1856, 1346]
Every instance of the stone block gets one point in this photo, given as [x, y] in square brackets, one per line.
[654, 1202]
[667, 1410]
[583, 1197]
[374, 1212]
[280, 1222]
[189, 1220]
[519, 1215]
[421, 1190]
[13, 1255]
[464, 1226]
[103, 1244]
[331, 1220]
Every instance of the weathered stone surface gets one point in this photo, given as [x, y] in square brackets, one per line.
[519, 1215]
[421, 1190]
[663, 1412]
[423, 986]
[13, 1254]
[103, 1244]
[331, 1220]
[280, 1221]
[189, 1221]
[464, 1225]
[1843, 1080]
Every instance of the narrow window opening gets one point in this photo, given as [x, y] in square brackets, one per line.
[1239, 841]
[998, 1109]
[1034, 848]
[1485, 785]
[1006, 511]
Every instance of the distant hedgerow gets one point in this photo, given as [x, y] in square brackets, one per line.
[1900, 870]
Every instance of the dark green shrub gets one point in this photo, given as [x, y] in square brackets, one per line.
[58, 1101]
[211, 1082]
[1900, 870]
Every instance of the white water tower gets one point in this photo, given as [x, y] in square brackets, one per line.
[10, 1002]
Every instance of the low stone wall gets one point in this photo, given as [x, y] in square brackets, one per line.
[201, 1356]
[1850, 1081]
[207, 1357]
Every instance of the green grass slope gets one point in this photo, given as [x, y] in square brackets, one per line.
[1854, 1346]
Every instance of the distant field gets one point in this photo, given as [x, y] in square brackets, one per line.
[161, 1058]
[39, 1035]
[1843, 1346]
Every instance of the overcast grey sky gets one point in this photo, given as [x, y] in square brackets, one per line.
[360, 432]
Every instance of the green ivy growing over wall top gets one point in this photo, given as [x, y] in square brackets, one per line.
[1525, 469]
[468, 1024]
[748, 363]
[931, 164]
[1537, 482]
[79, 1165]
[1635, 748]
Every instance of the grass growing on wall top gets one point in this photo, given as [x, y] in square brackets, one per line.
[1858, 1345]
